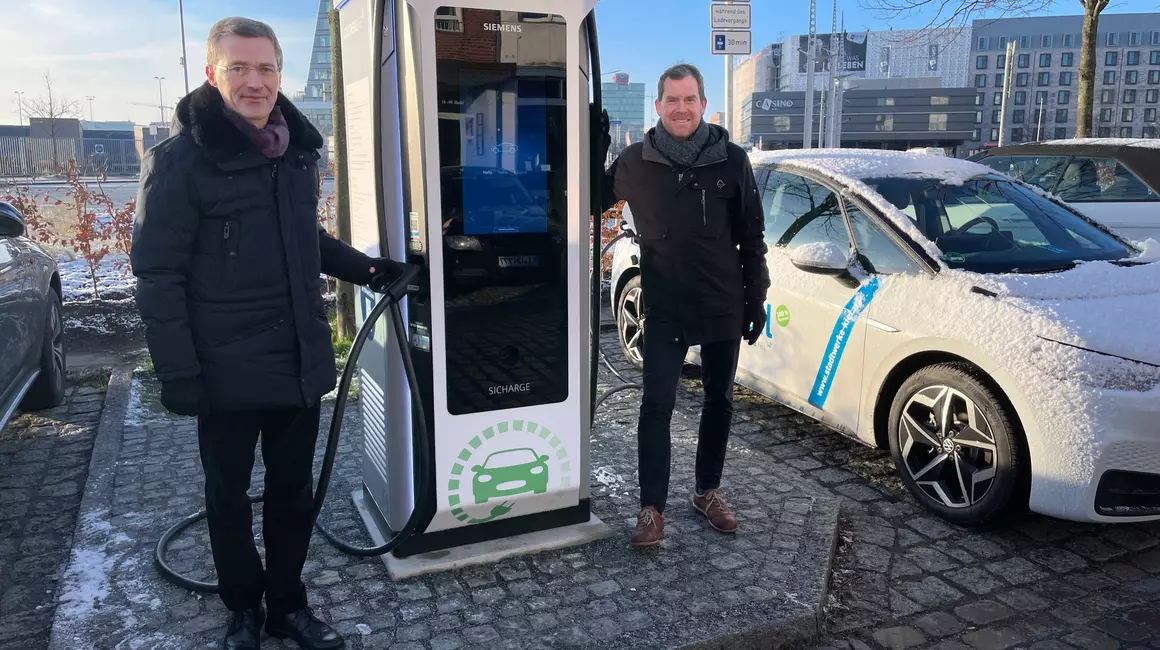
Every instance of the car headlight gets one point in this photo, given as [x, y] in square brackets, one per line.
[483, 478]
[461, 243]
[538, 469]
[1108, 371]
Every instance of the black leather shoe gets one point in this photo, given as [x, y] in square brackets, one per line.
[306, 629]
[244, 630]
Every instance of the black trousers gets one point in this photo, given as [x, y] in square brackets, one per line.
[663, 359]
[227, 442]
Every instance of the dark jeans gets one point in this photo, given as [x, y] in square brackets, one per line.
[227, 442]
[663, 358]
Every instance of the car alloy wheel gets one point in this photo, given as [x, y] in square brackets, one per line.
[630, 323]
[947, 446]
[957, 445]
[56, 325]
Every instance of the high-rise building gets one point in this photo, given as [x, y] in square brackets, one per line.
[315, 100]
[624, 101]
[1045, 90]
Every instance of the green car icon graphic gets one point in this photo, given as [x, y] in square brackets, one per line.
[508, 472]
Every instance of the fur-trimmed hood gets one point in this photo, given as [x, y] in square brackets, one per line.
[200, 114]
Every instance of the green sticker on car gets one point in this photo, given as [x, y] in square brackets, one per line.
[782, 315]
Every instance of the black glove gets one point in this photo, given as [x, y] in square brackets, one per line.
[383, 278]
[600, 133]
[182, 396]
[754, 321]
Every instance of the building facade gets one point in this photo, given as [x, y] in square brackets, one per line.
[624, 101]
[315, 100]
[873, 118]
[759, 73]
[933, 53]
[1045, 90]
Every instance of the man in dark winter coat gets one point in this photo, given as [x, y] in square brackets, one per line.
[228, 254]
[700, 227]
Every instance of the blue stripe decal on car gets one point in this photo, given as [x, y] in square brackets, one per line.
[837, 344]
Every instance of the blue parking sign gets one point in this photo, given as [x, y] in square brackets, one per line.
[719, 43]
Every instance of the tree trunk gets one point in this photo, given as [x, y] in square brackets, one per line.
[1087, 68]
[345, 306]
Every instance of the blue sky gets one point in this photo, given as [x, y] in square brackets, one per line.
[113, 50]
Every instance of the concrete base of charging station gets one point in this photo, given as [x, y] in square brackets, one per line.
[489, 552]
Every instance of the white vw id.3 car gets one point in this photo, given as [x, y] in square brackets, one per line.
[1002, 346]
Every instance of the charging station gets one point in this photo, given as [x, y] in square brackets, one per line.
[468, 154]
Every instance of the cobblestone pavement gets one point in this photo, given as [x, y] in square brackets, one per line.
[44, 461]
[901, 578]
[701, 585]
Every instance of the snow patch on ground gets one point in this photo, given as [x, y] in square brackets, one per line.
[114, 281]
[86, 584]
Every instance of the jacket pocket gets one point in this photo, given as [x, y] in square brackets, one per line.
[218, 239]
[715, 206]
[248, 333]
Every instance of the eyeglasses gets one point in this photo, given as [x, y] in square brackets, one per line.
[243, 71]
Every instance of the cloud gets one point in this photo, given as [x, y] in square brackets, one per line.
[113, 52]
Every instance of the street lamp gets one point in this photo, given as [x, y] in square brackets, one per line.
[90, 98]
[160, 98]
[19, 106]
[184, 61]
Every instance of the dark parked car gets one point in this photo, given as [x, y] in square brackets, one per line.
[32, 360]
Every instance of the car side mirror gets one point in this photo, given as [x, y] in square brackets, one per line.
[822, 258]
[11, 224]
[477, 469]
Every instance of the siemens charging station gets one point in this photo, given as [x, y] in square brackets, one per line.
[468, 154]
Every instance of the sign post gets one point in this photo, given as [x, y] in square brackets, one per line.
[730, 23]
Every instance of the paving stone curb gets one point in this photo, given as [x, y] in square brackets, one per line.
[93, 535]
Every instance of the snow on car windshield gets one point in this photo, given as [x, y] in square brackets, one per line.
[992, 225]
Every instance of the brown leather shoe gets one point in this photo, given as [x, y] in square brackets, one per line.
[650, 527]
[712, 506]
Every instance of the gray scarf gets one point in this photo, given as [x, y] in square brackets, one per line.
[682, 153]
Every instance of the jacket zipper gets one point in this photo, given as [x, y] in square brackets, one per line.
[703, 219]
[226, 240]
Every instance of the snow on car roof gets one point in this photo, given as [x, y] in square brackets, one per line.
[862, 164]
[1139, 143]
[851, 167]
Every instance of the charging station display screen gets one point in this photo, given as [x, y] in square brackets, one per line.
[501, 79]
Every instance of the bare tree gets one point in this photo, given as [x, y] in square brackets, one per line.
[1087, 66]
[955, 13]
[54, 109]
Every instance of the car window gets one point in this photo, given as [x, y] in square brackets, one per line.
[1101, 179]
[991, 225]
[1042, 171]
[800, 211]
[877, 252]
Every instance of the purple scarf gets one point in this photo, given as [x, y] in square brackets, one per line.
[272, 139]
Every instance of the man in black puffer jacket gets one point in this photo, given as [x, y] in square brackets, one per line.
[228, 254]
[700, 227]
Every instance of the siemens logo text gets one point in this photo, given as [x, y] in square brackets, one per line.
[501, 27]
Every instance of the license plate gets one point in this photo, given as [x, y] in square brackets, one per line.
[519, 261]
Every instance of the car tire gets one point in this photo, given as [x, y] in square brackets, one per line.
[630, 322]
[938, 453]
[48, 389]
